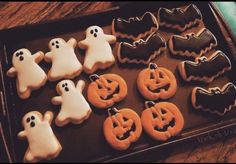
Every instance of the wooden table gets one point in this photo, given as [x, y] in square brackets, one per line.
[13, 14]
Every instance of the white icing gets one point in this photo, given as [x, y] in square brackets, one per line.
[29, 75]
[74, 107]
[98, 50]
[43, 144]
[64, 61]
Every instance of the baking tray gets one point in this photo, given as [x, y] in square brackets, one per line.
[85, 142]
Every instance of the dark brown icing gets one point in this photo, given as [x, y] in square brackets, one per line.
[178, 16]
[135, 25]
[215, 99]
[142, 50]
[207, 68]
[194, 43]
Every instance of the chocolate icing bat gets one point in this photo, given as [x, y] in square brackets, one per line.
[141, 51]
[178, 18]
[215, 100]
[192, 44]
[205, 69]
[134, 26]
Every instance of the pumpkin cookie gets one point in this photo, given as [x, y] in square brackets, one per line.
[156, 82]
[162, 120]
[105, 90]
[122, 127]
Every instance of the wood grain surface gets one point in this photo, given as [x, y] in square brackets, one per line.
[14, 14]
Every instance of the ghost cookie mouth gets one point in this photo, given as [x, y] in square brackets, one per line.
[20, 55]
[30, 120]
[65, 86]
[94, 32]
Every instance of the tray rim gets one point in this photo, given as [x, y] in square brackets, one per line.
[4, 32]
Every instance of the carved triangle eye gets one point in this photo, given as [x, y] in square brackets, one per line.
[154, 115]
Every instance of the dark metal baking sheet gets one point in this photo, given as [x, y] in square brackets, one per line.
[86, 142]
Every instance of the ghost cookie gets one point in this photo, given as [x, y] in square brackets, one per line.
[64, 61]
[43, 144]
[29, 75]
[74, 107]
[98, 50]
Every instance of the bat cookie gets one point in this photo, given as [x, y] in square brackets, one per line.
[43, 144]
[135, 28]
[214, 100]
[192, 45]
[98, 50]
[205, 69]
[64, 61]
[141, 51]
[30, 76]
[74, 107]
[179, 19]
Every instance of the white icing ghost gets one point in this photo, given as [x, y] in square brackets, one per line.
[43, 144]
[74, 107]
[98, 50]
[29, 75]
[64, 61]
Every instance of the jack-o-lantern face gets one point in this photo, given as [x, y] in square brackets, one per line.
[162, 120]
[122, 128]
[156, 82]
[106, 89]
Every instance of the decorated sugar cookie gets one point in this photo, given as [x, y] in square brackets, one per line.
[122, 127]
[74, 107]
[179, 19]
[141, 51]
[205, 69]
[192, 44]
[98, 50]
[214, 100]
[43, 144]
[105, 90]
[64, 61]
[162, 120]
[135, 28]
[156, 83]
[29, 74]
